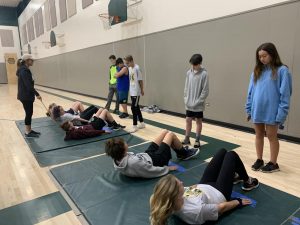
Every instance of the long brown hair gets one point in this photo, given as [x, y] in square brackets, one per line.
[163, 199]
[274, 64]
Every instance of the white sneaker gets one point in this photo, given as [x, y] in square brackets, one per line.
[133, 129]
[141, 125]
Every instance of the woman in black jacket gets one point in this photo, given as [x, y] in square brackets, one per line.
[27, 93]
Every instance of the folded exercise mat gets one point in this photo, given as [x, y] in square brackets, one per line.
[107, 197]
[77, 152]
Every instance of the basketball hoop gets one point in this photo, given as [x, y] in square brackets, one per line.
[106, 20]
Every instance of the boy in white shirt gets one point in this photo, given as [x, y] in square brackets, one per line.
[136, 89]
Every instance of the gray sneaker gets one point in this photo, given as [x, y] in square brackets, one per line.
[32, 135]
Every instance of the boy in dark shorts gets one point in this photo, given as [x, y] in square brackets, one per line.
[195, 92]
[101, 119]
[153, 162]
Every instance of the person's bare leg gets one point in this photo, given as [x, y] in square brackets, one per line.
[274, 143]
[77, 106]
[99, 112]
[105, 115]
[188, 129]
[124, 107]
[158, 140]
[198, 128]
[176, 143]
[259, 139]
[27, 129]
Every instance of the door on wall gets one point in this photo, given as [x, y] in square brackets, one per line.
[11, 67]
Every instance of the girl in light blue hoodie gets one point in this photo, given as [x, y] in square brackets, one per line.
[268, 102]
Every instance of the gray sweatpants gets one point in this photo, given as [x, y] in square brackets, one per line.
[112, 91]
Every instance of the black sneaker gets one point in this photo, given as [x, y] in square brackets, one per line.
[116, 112]
[124, 115]
[259, 163]
[251, 184]
[117, 127]
[186, 142]
[270, 168]
[188, 153]
[237, 179]
[35, 132]
[31, 135]
[197, 144]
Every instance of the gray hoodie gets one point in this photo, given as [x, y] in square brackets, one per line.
[139, 165]
[196, 90]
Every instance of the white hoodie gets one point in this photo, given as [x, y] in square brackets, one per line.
[139, 165]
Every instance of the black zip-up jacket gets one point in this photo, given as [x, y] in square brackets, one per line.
[26, 91]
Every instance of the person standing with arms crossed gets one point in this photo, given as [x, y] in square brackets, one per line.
[112, 85]
[268, 102]
[122, 76]
[27, 93]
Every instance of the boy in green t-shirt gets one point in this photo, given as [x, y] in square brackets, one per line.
[112, 85]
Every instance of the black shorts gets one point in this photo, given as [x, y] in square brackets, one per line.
[194, 114]
[98, 123]
[160, 155]
[71, 111]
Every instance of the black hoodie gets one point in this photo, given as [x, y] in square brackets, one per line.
[26, 91]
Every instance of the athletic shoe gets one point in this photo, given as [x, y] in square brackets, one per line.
[124, 115]
[117, 127]
[237, 179]
[251, 184]
[186, 142]
[188, 153]
[116, 112]
[141, 125]
[133, 129]
[270, 168]
[197, 144]
[35, 132]
[31, 135]
[259, 163]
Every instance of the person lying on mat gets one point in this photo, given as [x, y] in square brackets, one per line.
[154, 161]
[204, 201]
[76, 108]
[74, 114]
[100, 120]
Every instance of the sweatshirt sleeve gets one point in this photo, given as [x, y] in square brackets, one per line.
[205, 88]
[77, 134]
[28, 82]
[249, 96]
[285, 90]
[185, 89]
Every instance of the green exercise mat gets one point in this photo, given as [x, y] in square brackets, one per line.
[77, 152]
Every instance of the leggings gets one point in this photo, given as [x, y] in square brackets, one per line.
[136, 111]
[89, 112]
[28, 107]
[221, 170]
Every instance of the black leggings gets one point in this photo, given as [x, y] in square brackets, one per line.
[221, 170]
[88, 112]
[136, 111]
[28, 107]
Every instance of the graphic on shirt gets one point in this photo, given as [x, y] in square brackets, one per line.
[192, 191]
[131, 75]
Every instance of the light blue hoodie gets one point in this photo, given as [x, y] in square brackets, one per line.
[268, 99]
